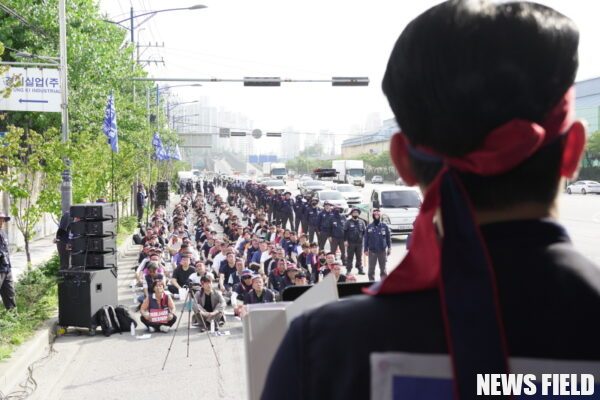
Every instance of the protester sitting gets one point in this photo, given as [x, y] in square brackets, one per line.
[336, 270]
[259, 294]
[200, 271]
[240, 290]
[181, 274]
[277, 275]
[301, 279]
[209, 305]
[158, 310]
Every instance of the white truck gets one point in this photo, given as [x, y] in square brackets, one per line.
[350, 171]
[275, 170]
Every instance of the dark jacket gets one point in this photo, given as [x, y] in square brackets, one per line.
[540, 278]
[267, 297]
[324, 222]
[337, 225]
[354, 231]
[377, 238]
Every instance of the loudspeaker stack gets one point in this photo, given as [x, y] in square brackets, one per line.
[162, 193]
[91, 281]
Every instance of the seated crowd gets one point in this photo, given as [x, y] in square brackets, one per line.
[252, 261]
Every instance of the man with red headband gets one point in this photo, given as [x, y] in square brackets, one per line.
[483, 93]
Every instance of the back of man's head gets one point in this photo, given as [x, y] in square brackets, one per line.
[463, 68]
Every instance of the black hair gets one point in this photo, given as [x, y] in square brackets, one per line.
[463, 68]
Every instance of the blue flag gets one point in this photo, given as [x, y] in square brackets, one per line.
[159, 150]
[110, 124]
[173, 153]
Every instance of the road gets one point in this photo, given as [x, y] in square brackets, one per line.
[123, 367]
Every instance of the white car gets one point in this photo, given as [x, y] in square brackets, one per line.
[399, 206]
[351, 194]
[275, 184]
[334, 197]
[584, 187]
[377, 179]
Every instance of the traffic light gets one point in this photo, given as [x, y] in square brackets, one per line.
[224, 132]
[273, 134]
[349, 81]
[262, 81]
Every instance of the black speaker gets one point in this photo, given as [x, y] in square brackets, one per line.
[94, 211]
[95, 228]
[82, 293]
[93, 243]
[94, 260]
[162, 185]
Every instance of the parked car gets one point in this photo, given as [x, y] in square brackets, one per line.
[350, 193]
[377, 179]
[584, 187]
[334, 197]
[275, 184]
[310, 187]
[399, 206]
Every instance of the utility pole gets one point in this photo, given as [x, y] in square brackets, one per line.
[65, 187]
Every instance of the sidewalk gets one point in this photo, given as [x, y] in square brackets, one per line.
[41, 251]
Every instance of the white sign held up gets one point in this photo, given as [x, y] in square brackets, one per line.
[39, 90]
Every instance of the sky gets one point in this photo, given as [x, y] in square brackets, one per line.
[309, 39]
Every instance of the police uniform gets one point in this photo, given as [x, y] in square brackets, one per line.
[312, 216]
[338, 222]
[377, 240]
[286, 208]
[354, 232]
[298, 211]
[324, 227]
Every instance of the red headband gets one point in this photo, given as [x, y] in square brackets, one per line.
[503, 149]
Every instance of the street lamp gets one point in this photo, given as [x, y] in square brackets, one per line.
[150, 14]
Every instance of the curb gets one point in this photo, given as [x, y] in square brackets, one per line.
[13, 371]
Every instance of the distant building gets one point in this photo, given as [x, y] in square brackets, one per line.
[587, 102]
[374, 142]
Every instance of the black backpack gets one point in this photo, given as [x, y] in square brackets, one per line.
[137, 238]
[106, 317]
[124, 318]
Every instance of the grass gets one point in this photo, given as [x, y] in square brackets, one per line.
[37, 301]
[126, 227]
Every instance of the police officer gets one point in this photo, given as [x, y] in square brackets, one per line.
[298, 212]
[286, 208]
[304, 215]
[7, 285]
[140, 202]
[354, 232]
[324, 225]
[338, 221]
[312, 216]
[377, 245]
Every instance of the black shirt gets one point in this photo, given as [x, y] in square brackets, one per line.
[182, 276]
[208, 306]
[547, 291]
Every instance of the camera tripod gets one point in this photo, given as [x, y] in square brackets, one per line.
[188, 303]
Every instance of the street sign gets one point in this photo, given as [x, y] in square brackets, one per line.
[38, 90]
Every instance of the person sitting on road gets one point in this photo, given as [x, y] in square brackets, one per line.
[153, 274]
[288, 279]
[301, 279]
[336, 270]
[200, 271]
[209, 305]
[277, 275]
[158, 310]
[259, 294]
[181, 274]
[240, 290]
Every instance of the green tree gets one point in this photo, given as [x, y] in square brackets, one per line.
[28, 161]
